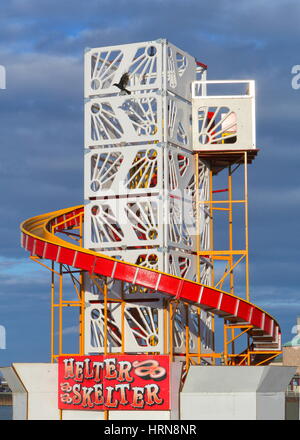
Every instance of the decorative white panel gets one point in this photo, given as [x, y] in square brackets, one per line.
[123, 120]
[205, 271]
[139, 221]
[132, 221]
[119, 171]
[105, 66]
[143, 169]
[181, 264]
[143, 324]
[206, 331]
[204, 210]
[181, 172]
[146, 63]
[181, 228]
[179, 127]
[199, 324]
[223, 122]
[181, 71]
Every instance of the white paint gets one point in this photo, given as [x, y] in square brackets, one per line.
[41, 382]
[235, 393]
[82, 415]
[139, 415]
[240, 118]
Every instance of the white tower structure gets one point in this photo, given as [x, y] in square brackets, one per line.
[140, 192]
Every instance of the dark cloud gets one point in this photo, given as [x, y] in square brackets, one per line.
[41, 129]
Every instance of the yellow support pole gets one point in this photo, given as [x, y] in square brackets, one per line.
[52, 330]
[122, 320]
[105, 316]
[211, 232]
[171, 317]
[225, 344]
[60, 311]
[230, 230]
[246, 226]
[187, 338]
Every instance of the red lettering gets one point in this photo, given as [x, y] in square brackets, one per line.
[78, 371]
[77, 398]
[109, 403]
[124, 370]
[138, 397]
[98, 367]
[110, 368]
[152, 398]
[68, 368]
[86, 397]
[123, 388]
[88, 374]
[99, 399]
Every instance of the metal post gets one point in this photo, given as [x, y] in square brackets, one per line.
[246, 226]
[60, 311]
[230, 219]
[52, 345]
[187, 337]
[105, 316]
[211, 230]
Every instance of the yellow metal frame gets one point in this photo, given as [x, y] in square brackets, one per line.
[58, 303]
[232, 256]
[218, 205]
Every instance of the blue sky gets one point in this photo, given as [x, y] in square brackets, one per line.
[41, 132]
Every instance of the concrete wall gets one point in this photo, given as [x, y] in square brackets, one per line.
[209, 393]
[41, 382]
[234, 393]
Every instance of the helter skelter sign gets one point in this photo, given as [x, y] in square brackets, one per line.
[108, 382]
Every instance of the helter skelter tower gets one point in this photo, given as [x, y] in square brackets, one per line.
[161, 246]
[143, 187]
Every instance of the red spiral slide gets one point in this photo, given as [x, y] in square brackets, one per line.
[38, 239]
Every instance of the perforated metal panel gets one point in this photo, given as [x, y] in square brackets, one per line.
[126, 120]
[139, 222]
[139, 170]
[143, 327]
[199, 323]
[125, 222]
[105, 66]
[119, 171]
[150, 65]
[123, 119]
[181, 71]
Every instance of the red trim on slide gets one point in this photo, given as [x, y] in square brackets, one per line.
[37, 239]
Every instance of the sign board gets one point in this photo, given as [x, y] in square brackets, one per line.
[114, 382]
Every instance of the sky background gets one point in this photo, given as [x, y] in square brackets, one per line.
[42, 44]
